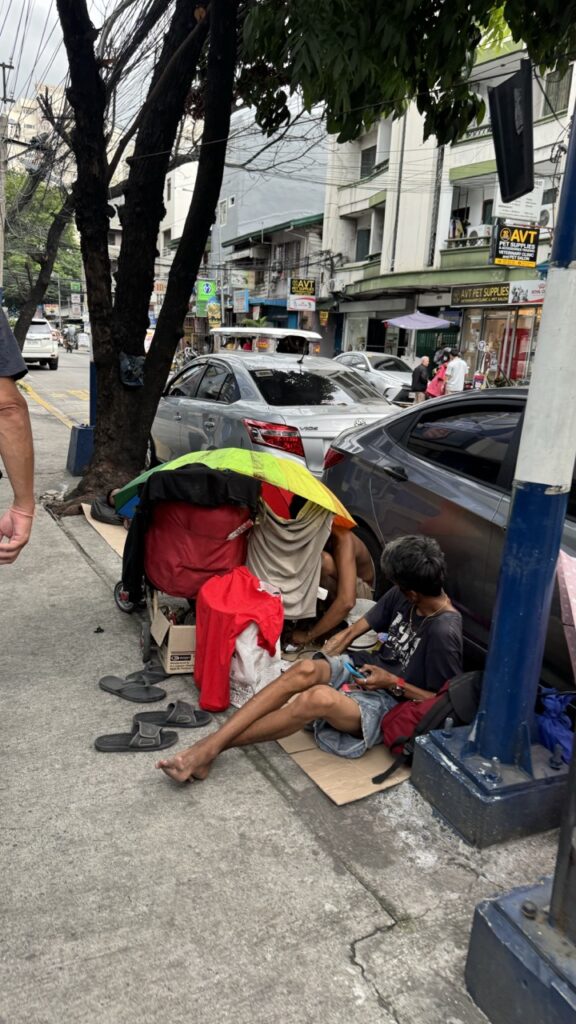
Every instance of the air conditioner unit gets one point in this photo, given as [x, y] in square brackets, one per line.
[479, 233]
[546, 217]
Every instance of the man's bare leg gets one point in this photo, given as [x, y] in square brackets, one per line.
[263, 717]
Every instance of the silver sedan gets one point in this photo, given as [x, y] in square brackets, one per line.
[292, 405]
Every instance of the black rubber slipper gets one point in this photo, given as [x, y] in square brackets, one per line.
[138, 693]
[177, 713]
[142, 737]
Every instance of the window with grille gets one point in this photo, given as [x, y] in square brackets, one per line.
[556, 92]
[367, 161]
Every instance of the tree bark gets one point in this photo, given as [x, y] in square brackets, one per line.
[38, 290]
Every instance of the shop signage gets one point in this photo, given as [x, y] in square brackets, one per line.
[241, 299]
[323, 317]
[242, 278]
[205, 294]
[526, 209]
[75, 286]
[527, 292]
[51, 309]
[301, 293]
[515, 245]
[481, 295]
[214, 313]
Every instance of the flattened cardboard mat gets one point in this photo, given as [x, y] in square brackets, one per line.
[115, 536]
[342, 779]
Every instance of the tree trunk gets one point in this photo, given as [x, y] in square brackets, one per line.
[217, 105]
[124, 416]
[38, 290]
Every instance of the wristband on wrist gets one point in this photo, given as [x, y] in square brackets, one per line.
[399, 687]
[21, 512]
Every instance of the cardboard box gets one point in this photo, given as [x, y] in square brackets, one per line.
[176, 644]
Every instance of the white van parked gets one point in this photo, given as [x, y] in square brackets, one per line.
[40, 345]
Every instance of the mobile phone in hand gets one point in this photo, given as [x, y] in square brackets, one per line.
[354, 671]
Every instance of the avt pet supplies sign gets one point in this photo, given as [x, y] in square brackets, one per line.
[301, 293]
[515, 246]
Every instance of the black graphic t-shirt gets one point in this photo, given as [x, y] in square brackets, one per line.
[425, 651]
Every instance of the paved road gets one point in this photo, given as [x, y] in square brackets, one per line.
[62, 393]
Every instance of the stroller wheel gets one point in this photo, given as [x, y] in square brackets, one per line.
[145, 641]
[121, 599]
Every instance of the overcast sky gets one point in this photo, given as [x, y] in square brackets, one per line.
[31, 40]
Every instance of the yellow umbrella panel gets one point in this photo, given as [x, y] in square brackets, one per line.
[272, 469]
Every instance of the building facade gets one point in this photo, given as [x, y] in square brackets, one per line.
[408, 225]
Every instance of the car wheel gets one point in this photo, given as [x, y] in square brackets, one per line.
[53, 363]
[374, 548]
[150, 460]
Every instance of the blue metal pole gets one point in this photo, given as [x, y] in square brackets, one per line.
[542, 483]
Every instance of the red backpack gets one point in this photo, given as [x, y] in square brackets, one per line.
[458, 699]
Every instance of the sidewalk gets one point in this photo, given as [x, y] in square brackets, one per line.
[248, 898]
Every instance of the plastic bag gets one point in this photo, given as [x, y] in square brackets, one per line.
[252, 667]
[554, 727]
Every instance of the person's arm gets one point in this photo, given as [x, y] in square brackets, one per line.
[344, 557]
[381, 679]
[17, 453]
[378, 619]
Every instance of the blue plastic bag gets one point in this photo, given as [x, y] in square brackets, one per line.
[553, 725]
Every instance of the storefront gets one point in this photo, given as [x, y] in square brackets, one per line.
[364, 324]
[500, 326]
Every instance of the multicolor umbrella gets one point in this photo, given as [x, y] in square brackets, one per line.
[272, 469]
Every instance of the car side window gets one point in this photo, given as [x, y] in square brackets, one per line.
[186, 385]
[472, 442]
[216, 385]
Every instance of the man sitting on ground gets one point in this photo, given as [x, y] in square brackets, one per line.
[422, 649]
[347, 574]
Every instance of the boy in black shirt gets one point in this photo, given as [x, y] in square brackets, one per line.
[421, 650]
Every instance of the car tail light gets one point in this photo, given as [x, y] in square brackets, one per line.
[332, 458]
[275, 435]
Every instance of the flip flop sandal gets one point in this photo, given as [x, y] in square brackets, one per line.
[142, 737]
[177, 713]
[138, 693]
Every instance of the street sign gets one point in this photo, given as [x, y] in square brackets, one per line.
[515, 245]
[76, 286]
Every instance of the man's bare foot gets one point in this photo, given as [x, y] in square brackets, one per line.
[193, 763]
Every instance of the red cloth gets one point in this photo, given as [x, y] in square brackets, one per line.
[188, 544]
[226, 605]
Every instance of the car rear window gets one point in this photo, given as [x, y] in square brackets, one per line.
[295, 386]
[391, 363]
[39, 329]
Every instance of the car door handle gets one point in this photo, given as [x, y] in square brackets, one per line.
[210, 424]
[396, 472]
[177, 416]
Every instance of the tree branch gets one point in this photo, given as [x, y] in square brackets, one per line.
[199, 32]
[218, 105]
[47, 260]
[143, 30]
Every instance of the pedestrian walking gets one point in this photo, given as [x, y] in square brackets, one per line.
[16, 448]
[420, 379]
[455, 373]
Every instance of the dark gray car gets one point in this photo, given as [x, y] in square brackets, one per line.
[445, 469]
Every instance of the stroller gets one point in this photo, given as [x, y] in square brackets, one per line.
[191, 523]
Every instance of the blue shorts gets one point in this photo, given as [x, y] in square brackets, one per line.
[373, 706]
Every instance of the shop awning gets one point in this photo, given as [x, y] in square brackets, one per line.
[418, 322]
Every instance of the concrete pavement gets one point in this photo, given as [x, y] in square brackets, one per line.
[247, 898]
